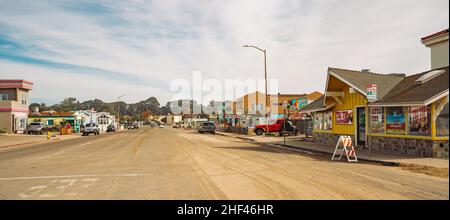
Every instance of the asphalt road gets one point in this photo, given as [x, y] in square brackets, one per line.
[167, 163]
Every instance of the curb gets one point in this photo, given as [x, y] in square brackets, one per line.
[384, 163]
[306, 150]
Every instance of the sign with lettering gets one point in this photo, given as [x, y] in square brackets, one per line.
[372, 92]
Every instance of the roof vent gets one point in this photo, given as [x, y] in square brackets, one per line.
[428, 76]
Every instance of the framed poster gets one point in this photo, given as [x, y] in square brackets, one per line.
[420, 120]
[327, 120]
[344, 117]
[395, 120]
[318, 120]
[377, 120]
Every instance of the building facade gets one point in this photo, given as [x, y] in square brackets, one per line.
[408, 116]
[55, 118]
[438, 44]
[14, 105]
[251, 109]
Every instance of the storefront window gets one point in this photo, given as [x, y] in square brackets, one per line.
[420, 120]
[328, 122]
[323, 120]
[318, 120]
[377, 120]
[442, 122]
[395, 120]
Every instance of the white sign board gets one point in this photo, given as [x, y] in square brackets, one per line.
[371, 92]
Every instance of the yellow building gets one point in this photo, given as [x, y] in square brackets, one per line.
[342, 109]
[408, 116]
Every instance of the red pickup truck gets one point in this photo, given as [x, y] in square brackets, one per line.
[276, 126]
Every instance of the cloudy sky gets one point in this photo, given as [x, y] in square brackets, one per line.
[103, 49]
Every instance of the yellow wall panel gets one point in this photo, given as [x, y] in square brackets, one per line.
[349, 102]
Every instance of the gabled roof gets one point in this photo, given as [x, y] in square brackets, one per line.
[408, 91]
[440, 33]
[55, 113]
[316, 105]
[314, 95]
[359, 80]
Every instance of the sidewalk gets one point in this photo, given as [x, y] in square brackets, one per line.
[362, 154]
[8, 141]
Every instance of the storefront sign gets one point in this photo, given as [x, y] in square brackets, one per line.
[395, 120]
[344, 117]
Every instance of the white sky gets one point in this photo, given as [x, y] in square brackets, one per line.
[104, 49]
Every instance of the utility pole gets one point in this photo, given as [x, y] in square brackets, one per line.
[118, 112]
[265, 77]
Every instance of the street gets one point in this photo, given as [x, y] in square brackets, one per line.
[167, 163]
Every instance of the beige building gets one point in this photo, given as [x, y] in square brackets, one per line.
[438, 43]
[14, 105]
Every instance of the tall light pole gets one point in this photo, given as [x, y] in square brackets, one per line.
[265, 77]
[118, 111]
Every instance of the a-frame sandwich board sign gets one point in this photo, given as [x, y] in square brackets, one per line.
[344, 146]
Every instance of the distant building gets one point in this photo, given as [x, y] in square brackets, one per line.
[54, 118]
[14, 104]
[172, 119]
[104, 119]
[251, 110]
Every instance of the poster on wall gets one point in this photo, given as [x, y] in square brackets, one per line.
[318, 121]
[377, 120]
[419, 120]
[395, 120]
[344, 117]
[328, 122]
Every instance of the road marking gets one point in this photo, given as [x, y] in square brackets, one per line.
[58, 188]
[76, 176]
[57, 153]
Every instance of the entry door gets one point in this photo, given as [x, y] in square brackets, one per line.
[361, 126]
[13, 124]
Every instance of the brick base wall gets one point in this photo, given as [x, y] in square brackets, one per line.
[327, 138]
[414, 147]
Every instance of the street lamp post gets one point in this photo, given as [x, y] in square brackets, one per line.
[118, 112]
[265, 78]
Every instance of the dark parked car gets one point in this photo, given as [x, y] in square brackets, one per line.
[111, 128]
[208, 127]
[36, 128]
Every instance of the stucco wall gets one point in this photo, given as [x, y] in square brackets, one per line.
[5, 121]
[439, 55]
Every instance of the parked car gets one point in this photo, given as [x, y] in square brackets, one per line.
[277, 126]
[136, 125]
[111, 128]
[162, 125]
[91, 128]
[36, 128]
[176, 125]
[208, 127]
[133, 125]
